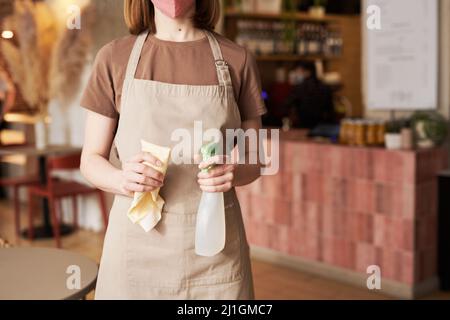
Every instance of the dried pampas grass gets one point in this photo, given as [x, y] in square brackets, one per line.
[69, 58]
[47, 61]
[28, 62]
[47, 36]
[19, 63]
[11, 54]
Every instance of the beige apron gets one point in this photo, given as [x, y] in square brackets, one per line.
[162, 264]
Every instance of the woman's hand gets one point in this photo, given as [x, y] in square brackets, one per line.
[135, 176]
[220, 178]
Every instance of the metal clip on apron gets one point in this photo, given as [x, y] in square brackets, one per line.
[162, 264]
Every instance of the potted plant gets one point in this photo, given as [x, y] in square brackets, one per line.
[318, 9]
[393, 137]
[430, 128]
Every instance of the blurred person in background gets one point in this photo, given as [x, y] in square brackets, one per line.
[311, 101]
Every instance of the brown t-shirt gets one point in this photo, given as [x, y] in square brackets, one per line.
[189, 63]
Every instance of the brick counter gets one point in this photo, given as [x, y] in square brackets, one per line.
[349, 208]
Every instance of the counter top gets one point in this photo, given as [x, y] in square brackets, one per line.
[300, 136]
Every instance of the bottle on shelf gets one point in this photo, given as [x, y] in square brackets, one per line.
[316, 39]
[305, 39]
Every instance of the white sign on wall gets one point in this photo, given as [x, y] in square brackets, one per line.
[401, 58]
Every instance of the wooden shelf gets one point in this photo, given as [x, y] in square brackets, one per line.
[348, 63]
[297, 16]
[291, 57]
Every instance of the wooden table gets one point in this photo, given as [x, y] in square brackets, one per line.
[44, 231]
[45, 274]
[33, 151]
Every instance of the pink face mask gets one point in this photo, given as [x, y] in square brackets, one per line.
[174, 8]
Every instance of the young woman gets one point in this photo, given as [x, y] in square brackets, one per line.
[171, 72]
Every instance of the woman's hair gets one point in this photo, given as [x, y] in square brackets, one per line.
[140, 15]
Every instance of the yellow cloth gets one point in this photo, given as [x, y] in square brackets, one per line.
[146, 207]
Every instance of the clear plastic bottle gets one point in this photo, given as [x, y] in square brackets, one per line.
[210, 226]
[210, 229]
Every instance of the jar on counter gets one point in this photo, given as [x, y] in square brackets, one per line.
[360, 133]
[381, 130]
[350, 132]
[371, 133]
[343, 132]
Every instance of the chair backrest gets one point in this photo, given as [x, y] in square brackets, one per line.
[65, 162]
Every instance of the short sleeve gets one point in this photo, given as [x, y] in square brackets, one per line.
[251, 103]
[99, 94]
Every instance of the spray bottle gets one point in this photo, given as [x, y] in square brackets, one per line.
[210, 227]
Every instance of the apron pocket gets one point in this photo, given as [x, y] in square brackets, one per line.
[227, 265]
[165, 257]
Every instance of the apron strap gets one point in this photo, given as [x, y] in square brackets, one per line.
[223, 72]
[133, 64]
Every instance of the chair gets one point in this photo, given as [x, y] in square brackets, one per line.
[56, 189]
[16, 183]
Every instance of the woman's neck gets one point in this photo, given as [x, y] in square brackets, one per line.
[179, 29]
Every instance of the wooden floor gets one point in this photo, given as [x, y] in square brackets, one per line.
[271, 281]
